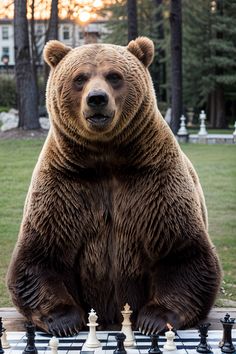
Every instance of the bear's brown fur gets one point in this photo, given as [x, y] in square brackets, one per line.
[115, 213]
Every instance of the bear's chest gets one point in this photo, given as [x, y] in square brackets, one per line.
[107, 218]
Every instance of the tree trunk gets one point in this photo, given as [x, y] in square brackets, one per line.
[52, 32]
[33, 47]
[220, 119]
[160, 72]
[25, 80]
[176, 64]
[233, 114]
[132, 20]
[217, 117]
[211, 114]
[221, 122]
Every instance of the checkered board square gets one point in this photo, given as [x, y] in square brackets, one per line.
[186, 342]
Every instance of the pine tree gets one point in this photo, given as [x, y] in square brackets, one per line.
[209, 56]
[223, 58]
[117, 30]
[159, 36]
[151, 23]
[196, 51]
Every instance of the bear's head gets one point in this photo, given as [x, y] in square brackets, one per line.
[95, 91]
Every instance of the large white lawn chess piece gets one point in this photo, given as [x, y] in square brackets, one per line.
[182, 134]
[5, 344]
[190, 115]
[170, 344]
[202, 131]
[182, 130]
[234, 133]
[53, 344]
[92, 341]
[127, 326]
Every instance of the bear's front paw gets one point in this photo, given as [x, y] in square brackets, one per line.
[66, 321]
[154, 319]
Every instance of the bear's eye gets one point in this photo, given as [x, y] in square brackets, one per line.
[114, 78]
[80, 81]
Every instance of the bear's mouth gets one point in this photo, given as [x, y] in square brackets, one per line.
[98, 119]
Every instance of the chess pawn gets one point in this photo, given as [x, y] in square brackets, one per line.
[170, 344]
[203, 347]
[120, 338]
[154, 346]
[53, 344]
[127, 326]
[92, 341]
[30, 334]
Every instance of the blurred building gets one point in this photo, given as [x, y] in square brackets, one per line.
[69, 32]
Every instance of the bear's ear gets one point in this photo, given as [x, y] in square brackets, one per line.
[54, 52]
[143, 49]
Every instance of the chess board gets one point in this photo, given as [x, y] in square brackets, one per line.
[186, 343]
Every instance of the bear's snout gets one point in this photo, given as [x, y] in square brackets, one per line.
[99, 109]
[97, 99]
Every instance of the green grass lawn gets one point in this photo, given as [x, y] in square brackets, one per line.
[216, 167]
[195, 130]
[17, 160]
[215, 164]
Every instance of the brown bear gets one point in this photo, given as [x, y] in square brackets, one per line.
[115, 213]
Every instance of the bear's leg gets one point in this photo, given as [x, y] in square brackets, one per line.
[183, 293]
[44, 296]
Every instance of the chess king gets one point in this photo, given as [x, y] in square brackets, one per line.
[115, 212]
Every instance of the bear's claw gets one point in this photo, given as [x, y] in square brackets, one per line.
[154, 319]
[66, 323]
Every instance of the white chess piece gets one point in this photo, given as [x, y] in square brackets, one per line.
[92, 341]
[127, 326]
[202, 131]
[234, 133]
[5, 344]
[53, 344]
[182, 130]
[170, 344]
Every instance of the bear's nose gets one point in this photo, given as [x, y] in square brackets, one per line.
[97, 99]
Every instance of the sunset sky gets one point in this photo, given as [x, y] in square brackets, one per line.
[82, 10]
